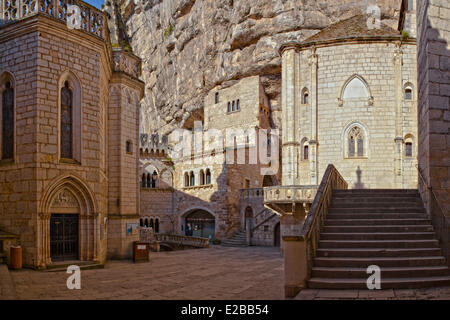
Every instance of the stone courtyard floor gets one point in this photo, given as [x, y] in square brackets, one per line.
[214, 273]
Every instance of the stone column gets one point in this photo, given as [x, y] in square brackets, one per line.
[398, 158]
[313, 144]
[290, 96]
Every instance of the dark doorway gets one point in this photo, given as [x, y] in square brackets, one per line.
[276, 235]
[64, 237]
[200, 223]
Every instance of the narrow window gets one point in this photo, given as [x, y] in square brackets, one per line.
[355, 143]
[151, 225]
[186, 179]
[408, 149]
[154, 179]
[208, 176]
[351, 147]
[156, 225]
[360, 147]
[234, 106]
[238, 105]
[202, 177]
[146, 223]
[141, 222]
[247, 184]
[229, 107]
[66, 122]
[408, 94]
[192, 179]
[128, 147]
[217, 97]
[143, 183]
[8, 122]
[305, 96]
[149, 180]
[305, 152]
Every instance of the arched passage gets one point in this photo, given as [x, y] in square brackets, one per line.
[200, 223]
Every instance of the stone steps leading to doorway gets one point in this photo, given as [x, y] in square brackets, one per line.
[385, 228]
[239, 239]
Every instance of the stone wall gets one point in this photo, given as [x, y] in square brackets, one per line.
[434, 108]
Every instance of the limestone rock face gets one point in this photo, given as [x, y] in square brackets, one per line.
[188, 47]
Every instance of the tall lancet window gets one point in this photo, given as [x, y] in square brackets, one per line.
[8, 122]
[66, 122]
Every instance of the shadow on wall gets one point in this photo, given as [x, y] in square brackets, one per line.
[359, 184]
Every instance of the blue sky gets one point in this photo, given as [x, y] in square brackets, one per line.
[95, 3]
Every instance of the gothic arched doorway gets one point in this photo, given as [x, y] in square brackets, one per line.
[276, 235]
[248, 217]
[200, 223]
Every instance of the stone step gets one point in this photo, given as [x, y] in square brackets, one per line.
[372, 205]
[376, 195]
[234, 244]
[386, 283]
[425, 243]
[376, 222]
[363, 215]
[378, 252]
[375, 191]
[82, 267]
[389, 199]
[368, 210]
[382, 228]
[390, 272]
[381, 262]
[378, 236]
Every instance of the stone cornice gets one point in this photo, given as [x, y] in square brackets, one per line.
[123, 78]
[299, 46]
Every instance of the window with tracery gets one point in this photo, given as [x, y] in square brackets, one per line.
[355, 143]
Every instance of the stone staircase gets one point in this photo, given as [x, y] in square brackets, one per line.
[387, 228]
[239, 239]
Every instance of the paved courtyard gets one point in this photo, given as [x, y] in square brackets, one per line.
[214, 273]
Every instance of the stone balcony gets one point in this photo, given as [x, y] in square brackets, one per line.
[93, 21]
[287, 200]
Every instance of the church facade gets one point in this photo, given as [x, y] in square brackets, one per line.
[70, 118]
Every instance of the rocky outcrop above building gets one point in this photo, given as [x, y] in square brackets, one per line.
[188, 47]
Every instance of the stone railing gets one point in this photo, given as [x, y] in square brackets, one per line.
[183, 240]
[252, 193]
[289, 194]
[92, 20]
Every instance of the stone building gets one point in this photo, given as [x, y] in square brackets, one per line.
[70, 115]
[350, 98]
[207, 195]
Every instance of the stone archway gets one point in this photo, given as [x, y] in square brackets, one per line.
[68, 196]
[200, 223]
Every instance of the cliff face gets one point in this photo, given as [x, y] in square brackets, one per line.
[190, 46]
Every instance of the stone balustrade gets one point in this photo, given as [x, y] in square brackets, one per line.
[183, 240]
[252, 193]
[289, 194]
[93, 20]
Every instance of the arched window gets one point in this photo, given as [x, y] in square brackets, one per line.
[408, 91]
[154, 179]
[66, 122]
[191, 179]
[70, 117]
[151, 225]
[7, 116]
[229, 107]
[186, 179]
[202, 177]
[409, 146]
[149, 180]
[208, 176]
[217, 97]
[146, 223]
[238, 105]
[356, 142]
[234, 106]
[305, 152]
[141, 222]
[157, 225]
[305, 96]
[143, 183]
